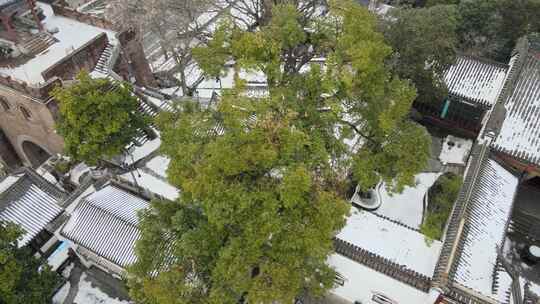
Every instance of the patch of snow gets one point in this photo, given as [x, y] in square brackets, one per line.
[89, 294]
[152, 183]
[475, 80]
[8, 182]
[392, 241]
[174, 91]
[66, 272]
[61, 295]
[518, 136]
[489, 210]
[361, 282]
[47, 175]
[139, 152]
[535, 288]
[159, 165]
[407, 207]
[455, 150]
[77, 172]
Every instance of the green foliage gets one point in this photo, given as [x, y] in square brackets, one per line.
[491, 28]
[23, 278]
[425, 42]
[263, 180]
[442, 196]
[63, 166]
[441, 2]
[98, 119]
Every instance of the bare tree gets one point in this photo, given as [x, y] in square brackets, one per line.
[171, 29]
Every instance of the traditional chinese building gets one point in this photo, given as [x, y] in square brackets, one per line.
[473, 88]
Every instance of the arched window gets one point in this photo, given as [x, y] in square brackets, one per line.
[4, 104]
[25, 113]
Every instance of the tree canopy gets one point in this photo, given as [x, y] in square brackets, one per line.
[23, 278]
[263, 179]
[491, 28]
[425, 44]
[98, 118]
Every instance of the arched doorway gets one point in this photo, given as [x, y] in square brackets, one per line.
[35, 154]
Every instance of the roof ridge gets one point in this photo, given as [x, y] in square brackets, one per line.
[89, 200]
[89, 203]
[49, 187]
[482, 59]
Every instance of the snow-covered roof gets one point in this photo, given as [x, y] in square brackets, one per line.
[488, 212]
[106, 223]
[475, 80]
[71, 36]
[455, 150]
[391, 240]
[28, 200]
[407, 207]
[156, 184]
[361, 282]
[519, 135]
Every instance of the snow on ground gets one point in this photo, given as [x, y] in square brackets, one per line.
[66, 272]
[159, 165]
[392, 241]
[535, 288]
[362, 282]
[152, 183]
[140, 152]
[61, 295]
[455, 150]
[88, 294]
[407, 207]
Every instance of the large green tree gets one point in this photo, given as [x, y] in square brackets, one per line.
[98, 118]
[263, 180]
[23, 278]
[425, 42]
[491, 28]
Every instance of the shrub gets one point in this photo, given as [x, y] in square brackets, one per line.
[441, 199]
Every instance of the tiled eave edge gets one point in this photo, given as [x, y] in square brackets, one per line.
[456, 222]
[383, 265]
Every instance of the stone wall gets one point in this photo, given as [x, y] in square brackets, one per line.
[7, 153]
[40, 92]
[38, 128]
[86, 57]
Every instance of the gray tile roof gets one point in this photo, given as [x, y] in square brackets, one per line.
[475, 80]
[468, 264]
[106, 223]
[519, 134]
[486, 219]
[30, 201]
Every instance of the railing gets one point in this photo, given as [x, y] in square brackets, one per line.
[383, 265]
